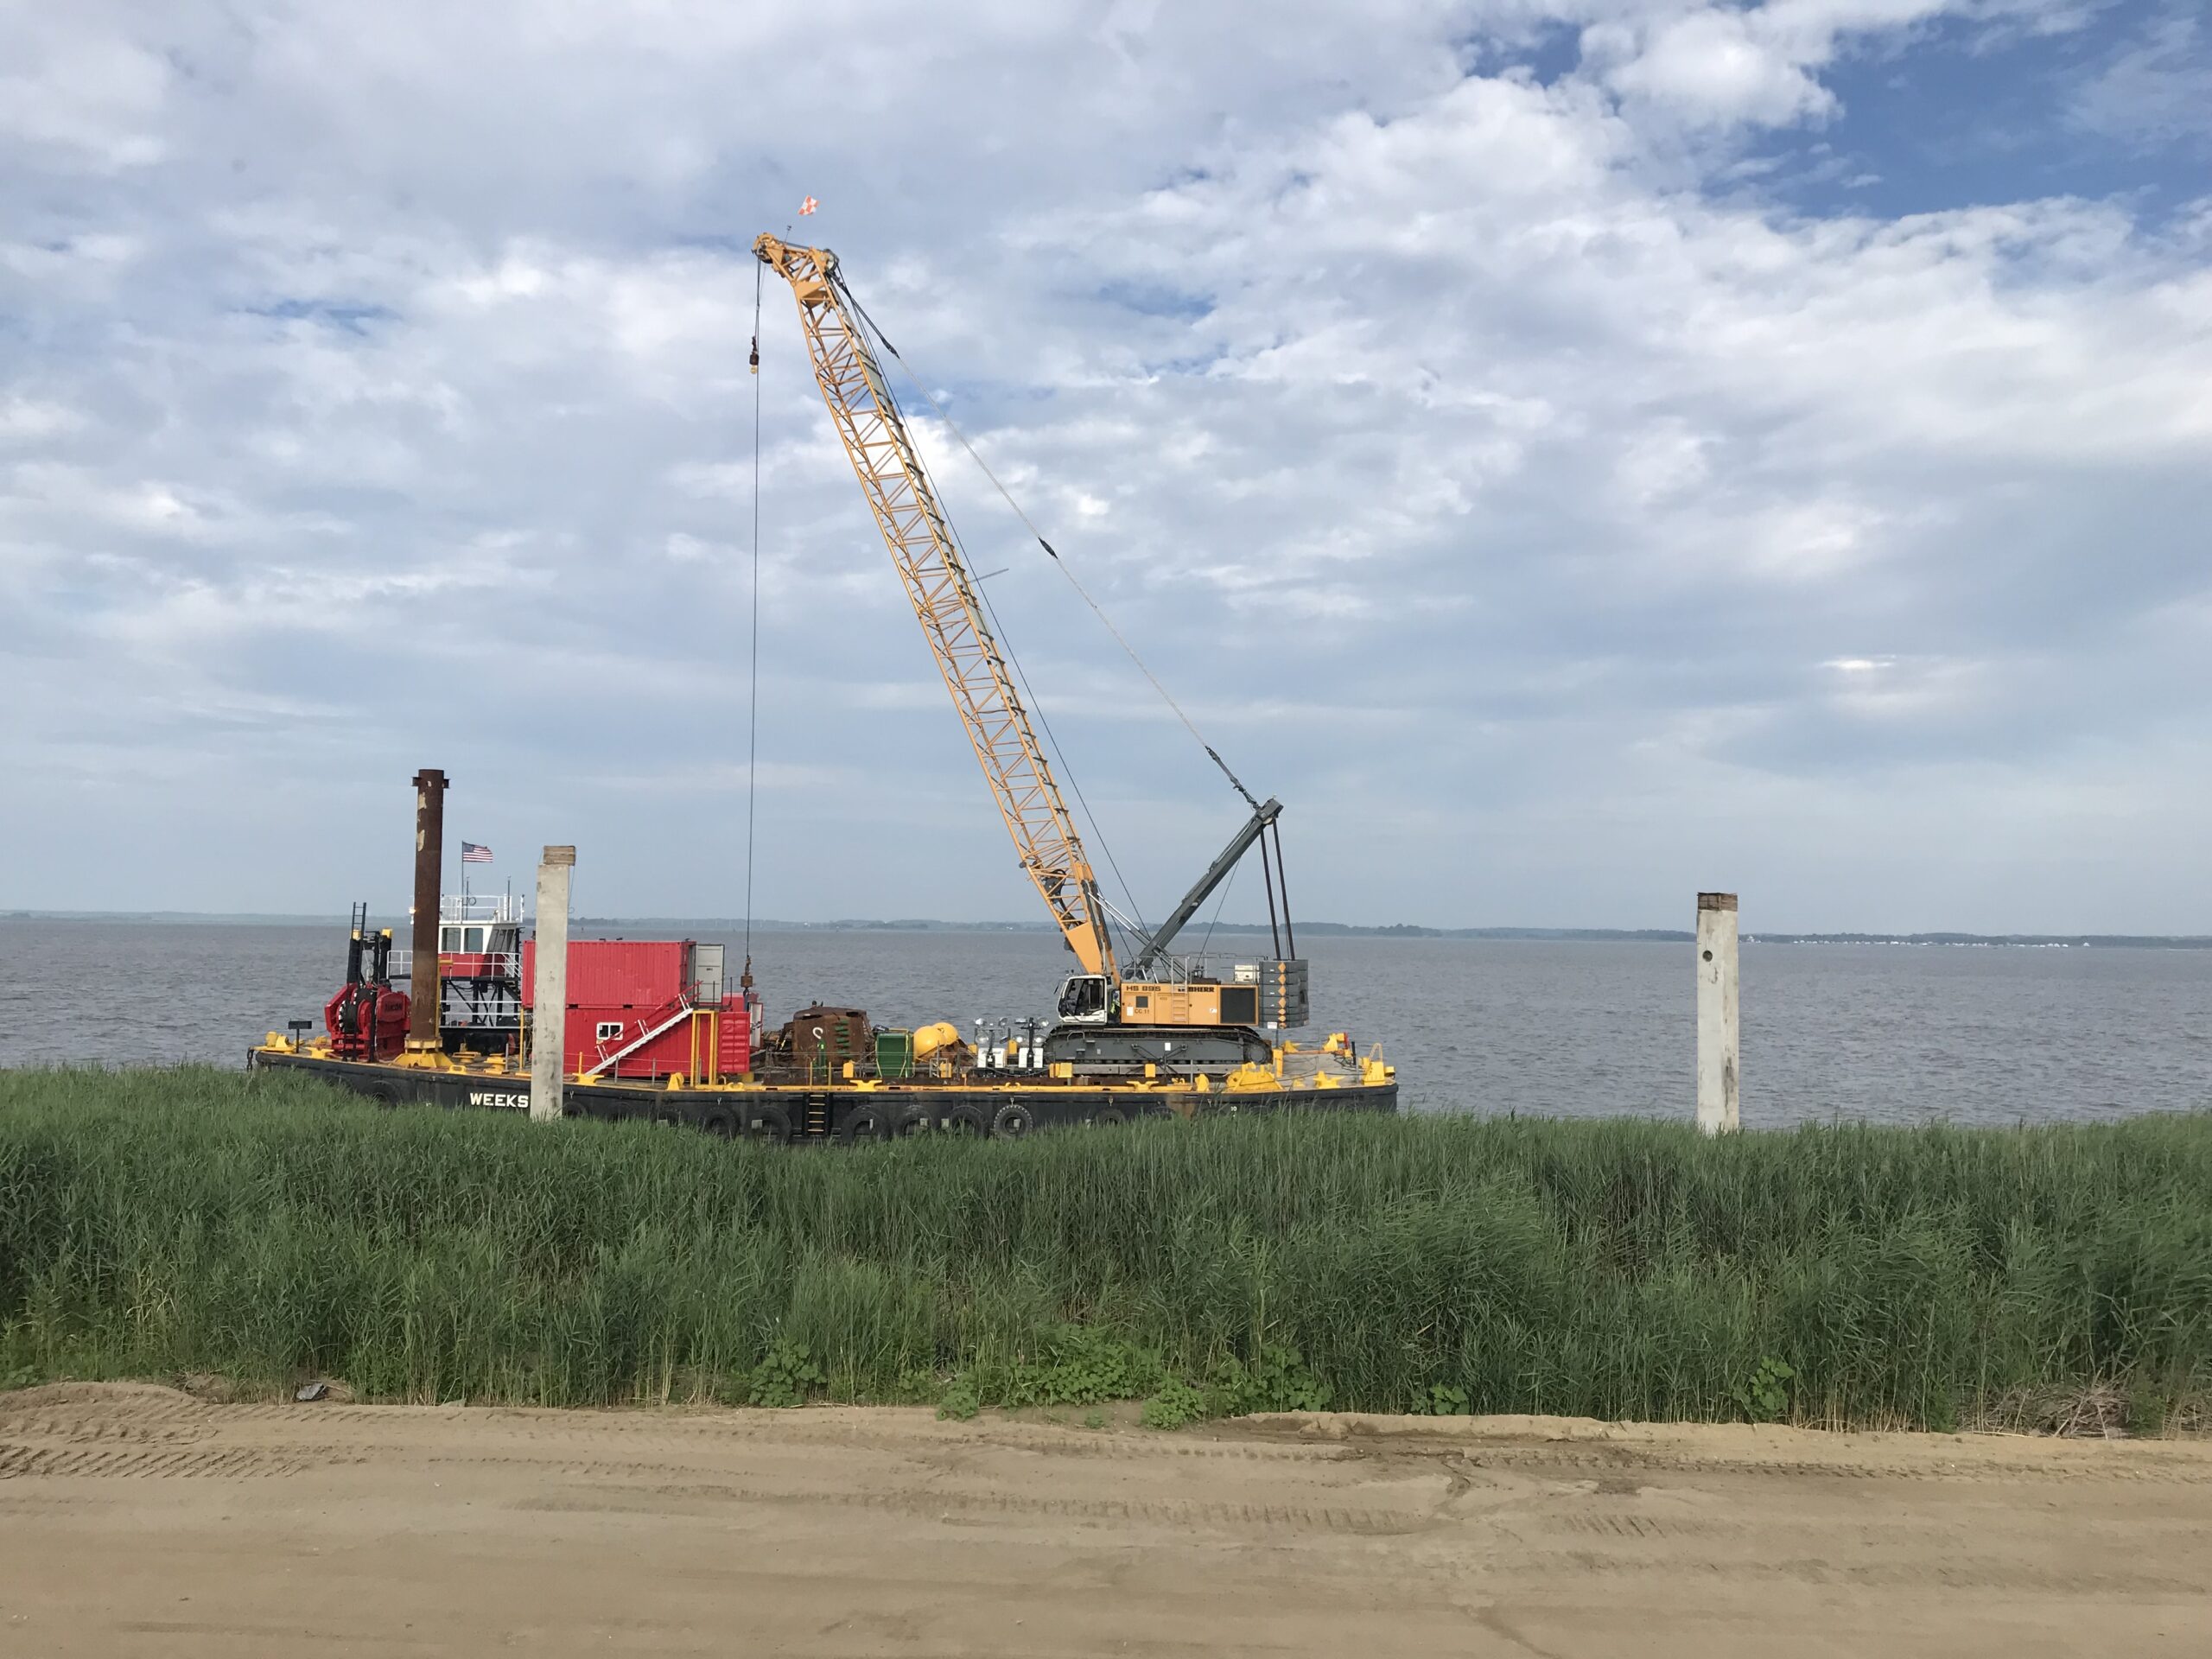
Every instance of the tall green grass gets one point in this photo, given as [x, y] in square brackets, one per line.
[155, 1224]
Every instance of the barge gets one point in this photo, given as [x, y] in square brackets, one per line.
[862, 1108]
[649, 1029]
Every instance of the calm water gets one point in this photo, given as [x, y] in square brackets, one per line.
[1887, 1033]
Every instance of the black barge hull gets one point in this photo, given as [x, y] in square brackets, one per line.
[802, 1114]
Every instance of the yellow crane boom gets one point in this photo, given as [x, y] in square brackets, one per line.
[943, 594]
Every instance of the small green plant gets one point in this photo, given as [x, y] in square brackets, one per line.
[917, 1387]
[1076, 1365]
[961, 1399]
[1278, 1380]
[1094, 1419]
[1765, 1397]
[785, 1376]
[1440, 1399]
[1175, 1404]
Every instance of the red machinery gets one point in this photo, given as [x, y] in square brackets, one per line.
[648, 1008]
[366, 1019]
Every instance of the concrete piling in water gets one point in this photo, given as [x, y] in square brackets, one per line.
[548, 1021]
[1716, 1012]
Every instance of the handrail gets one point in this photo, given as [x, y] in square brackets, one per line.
[485, 907]
[676, 1007]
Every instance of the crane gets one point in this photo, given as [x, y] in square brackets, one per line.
[944, 595]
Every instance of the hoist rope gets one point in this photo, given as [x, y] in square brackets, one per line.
[1206, 943]
[753, 694]
[1052, 552]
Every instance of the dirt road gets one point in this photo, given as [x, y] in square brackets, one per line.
[139, 1521]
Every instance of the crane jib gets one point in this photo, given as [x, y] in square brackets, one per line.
[943, 594]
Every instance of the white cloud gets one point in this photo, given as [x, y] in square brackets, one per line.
[2157, 88]
[1712, 67]
[1662, 460]
[1716, 66]
[1890, 688]
[25, 419]
[1482, 448]
[79, 96]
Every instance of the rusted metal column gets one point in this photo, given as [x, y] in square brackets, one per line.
[548, 1013]
[1716, 1012]
[429, 869]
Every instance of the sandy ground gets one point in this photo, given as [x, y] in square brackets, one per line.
[136, 1520]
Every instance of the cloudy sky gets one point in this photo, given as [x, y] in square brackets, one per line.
[1574, 452]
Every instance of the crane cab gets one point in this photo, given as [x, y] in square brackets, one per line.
[1086, 1000]
[1268, 995]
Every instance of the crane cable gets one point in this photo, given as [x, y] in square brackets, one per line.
[1067, 772]
[754, 740]
[837, 277]
[1219, 904]
[753, 694]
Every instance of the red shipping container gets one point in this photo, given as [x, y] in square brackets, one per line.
[622, 991]
[659, 1042]
[736, 1038]
[640, 974]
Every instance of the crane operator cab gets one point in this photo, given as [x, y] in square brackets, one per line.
[1086, 1000]
[1267, 995]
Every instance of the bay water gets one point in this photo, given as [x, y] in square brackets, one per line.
[1883, 1033]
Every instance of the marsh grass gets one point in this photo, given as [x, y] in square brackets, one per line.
[157, 1223]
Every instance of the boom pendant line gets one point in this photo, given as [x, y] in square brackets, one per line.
[1051, 552]
[753, 657]
[944, 597]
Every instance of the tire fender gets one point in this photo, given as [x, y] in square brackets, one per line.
[765, 1122]
[865, 1124]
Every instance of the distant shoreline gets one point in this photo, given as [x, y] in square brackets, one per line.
[1232, 930]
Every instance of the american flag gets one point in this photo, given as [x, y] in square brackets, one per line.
[808, 206]
[472, 854]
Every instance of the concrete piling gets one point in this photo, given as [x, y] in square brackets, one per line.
[1716, 1012]
[422, 990]
[548, 1021]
